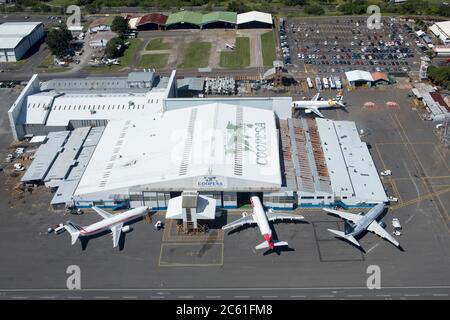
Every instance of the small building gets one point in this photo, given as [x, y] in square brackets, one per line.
[16, 38]
[279, 74]
[359, 77]
[190, 86]
[101, 25]
[441, 51]
[151, 21]
[100, 39]
[254, 19]
[380, 78]
[442, 31]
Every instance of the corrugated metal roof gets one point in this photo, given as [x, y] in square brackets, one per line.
[438, 98]
[185, 17]
[45, 156]
[358, 75]
[156, 18]
[194, 84]
[12, 33]
[254, 16]
[219, 16]
[66, 158]
[68, 186]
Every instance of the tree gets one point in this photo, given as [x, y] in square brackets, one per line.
[294, 2]
[58, 40]
[114, 48]
[237, 6]
[440, 75]
[314, 9]
[119, 25]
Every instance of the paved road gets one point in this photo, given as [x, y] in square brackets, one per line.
[233, 293]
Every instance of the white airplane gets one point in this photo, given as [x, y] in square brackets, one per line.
[113, 222]
[112, 61]
[315, 104]
[262, 219]
[229, 46]
[361, 223]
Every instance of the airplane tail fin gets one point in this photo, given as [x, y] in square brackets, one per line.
[74, 231]
[338, 99]
[265, 244]
[348, 237]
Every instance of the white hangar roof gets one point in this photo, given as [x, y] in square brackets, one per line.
[11, 33]
[358, 75]
[212, 147]
[254, 16]
[441, 29]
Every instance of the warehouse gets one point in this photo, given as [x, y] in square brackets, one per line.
[152, 146]
[359, 78]
[219, 19]
[227, 153]
[71, 103]
[17, 38]
[184, 20]
[151, 21]
[254, 19]
[442, 31]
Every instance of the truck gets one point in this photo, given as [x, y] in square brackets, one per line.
[310, 84]
[325, 83]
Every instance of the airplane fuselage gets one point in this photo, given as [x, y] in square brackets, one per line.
[261, 220]
[367, 219]
[317, 103]
[106, 224]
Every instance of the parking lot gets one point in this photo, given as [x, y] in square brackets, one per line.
[336, 45]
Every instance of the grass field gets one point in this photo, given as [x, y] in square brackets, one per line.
[157, 61]
[196, 55]
[47, 65]
[124, 61]
[268, 48]
[239, 57]
[157, 44]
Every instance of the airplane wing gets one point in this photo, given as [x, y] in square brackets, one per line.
[316, 97]
[115, 231]
[344, 215]
[239, 222]
[283, 216]
[377, 229]
[103, 213]
[316, 111]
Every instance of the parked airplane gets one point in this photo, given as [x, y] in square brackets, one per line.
[113, 222]
[315, 104]
[262, 218]
[112, 61]
[361, 223]
[229, 46]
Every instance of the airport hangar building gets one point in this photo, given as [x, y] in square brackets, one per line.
[127, 142]
[16, 38]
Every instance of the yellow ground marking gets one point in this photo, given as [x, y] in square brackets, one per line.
[379, 156]
[174, 264]
[421, 198]
[433, 194]
[396, 191]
